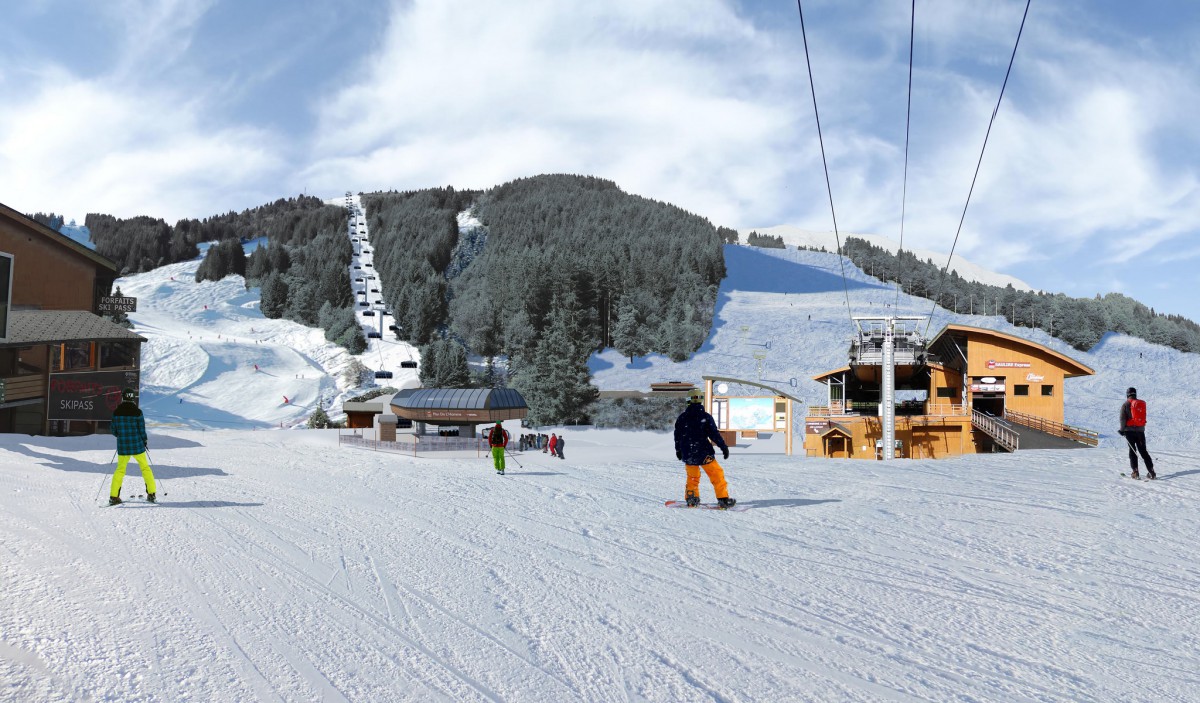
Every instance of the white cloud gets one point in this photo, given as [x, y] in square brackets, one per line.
[80, 146]
[659, 97]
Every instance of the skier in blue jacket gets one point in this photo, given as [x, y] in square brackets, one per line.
[129, 425]
[693, 431]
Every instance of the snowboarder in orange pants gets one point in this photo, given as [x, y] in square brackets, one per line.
[695, 434]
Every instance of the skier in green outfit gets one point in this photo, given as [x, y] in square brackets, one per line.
[498, 439]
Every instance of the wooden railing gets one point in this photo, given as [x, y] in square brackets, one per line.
[24, 387]
[840, 410]
[997, 431]
[1051, 427]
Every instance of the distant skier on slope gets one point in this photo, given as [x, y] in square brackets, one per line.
[693, 431]
[1133, 429]
[129, 425]
[498, 439]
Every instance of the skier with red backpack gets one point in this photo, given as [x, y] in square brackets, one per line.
[1133, 429]
[498, 440]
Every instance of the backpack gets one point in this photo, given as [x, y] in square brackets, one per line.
[496, 438]
[1137, 413]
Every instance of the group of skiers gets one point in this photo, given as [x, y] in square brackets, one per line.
[695, 436]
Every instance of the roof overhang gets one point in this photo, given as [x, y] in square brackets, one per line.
[1071, 367]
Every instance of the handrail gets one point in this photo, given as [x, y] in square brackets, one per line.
[1051, 427]
[992, 428]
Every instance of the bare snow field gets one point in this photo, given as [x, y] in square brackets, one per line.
[280, 566]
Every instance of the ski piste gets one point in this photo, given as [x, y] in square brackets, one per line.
[705, 506]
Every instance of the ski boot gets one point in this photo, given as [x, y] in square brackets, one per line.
[114, 500]
[723, 503]
[1150, 473]
[693, 499]
[1134, 475]
[152, 497]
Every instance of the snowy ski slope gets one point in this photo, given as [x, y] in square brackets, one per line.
[282, 567]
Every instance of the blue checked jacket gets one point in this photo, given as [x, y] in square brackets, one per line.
[129, 426]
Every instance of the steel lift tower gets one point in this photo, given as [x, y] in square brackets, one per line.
[886, 342]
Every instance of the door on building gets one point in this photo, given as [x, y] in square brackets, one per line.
[721, 413]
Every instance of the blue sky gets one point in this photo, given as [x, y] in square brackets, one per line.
[186, 108]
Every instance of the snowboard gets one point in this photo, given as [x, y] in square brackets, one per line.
[706, 506]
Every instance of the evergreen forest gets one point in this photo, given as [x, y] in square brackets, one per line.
[1080, 322]
[561, 267]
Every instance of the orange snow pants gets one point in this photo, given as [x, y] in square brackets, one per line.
[715, 474]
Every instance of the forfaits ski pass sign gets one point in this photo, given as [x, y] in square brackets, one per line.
[87, 395]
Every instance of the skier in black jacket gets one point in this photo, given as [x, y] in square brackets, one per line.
[693, 430]
[1133, 429]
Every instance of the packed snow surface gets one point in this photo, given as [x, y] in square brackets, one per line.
[281, 565]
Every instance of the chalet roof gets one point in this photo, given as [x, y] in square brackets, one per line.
[838, 428]
[1069, 365]
[461, 399]
[26, 327]
[57, 237]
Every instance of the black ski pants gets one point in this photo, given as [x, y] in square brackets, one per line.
[1137, 440]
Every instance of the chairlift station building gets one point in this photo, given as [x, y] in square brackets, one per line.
[983, 391]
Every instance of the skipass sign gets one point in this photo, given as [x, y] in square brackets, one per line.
[87, 395]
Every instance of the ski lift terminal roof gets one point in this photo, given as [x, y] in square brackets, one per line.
[457, 406]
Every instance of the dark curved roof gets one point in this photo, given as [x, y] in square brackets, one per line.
[462, 399]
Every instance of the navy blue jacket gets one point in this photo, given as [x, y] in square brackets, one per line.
[693, 430]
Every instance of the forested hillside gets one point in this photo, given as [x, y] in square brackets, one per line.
[304, 272]
[1080, 322]
[563, 266]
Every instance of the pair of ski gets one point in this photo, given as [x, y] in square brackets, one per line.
[1138, 478]
[705, 506]
[136, 498]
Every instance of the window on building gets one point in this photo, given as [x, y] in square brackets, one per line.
[947, 392]
[72, 355]
[117, 354]
[1047, 390]
[1021, 389]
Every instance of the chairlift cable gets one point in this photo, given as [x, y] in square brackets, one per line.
[912, 30]
[979, 163]
[821, 139]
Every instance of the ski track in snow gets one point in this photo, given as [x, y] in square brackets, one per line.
[282, 567]
[292, 570]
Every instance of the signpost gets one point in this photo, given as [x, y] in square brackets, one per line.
[112, 303]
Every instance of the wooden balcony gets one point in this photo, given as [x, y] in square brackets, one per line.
[24, 387]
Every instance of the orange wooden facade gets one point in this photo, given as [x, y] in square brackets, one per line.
[977, 369]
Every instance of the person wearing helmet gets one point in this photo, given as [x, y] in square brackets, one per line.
[498, 439]
[129, 426]
[695, 434]
[1133, 429]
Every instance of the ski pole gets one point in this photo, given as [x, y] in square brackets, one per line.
[106, 476]
[510, 456]
[159, 483]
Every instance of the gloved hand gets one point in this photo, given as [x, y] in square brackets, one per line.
[724, 452]
[679, 455]
[1121, 432]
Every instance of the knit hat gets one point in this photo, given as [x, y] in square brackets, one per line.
[129, 395]
[1131, 392]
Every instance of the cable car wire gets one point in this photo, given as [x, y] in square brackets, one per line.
[820, 138]
[979, 163]
[912, 30]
